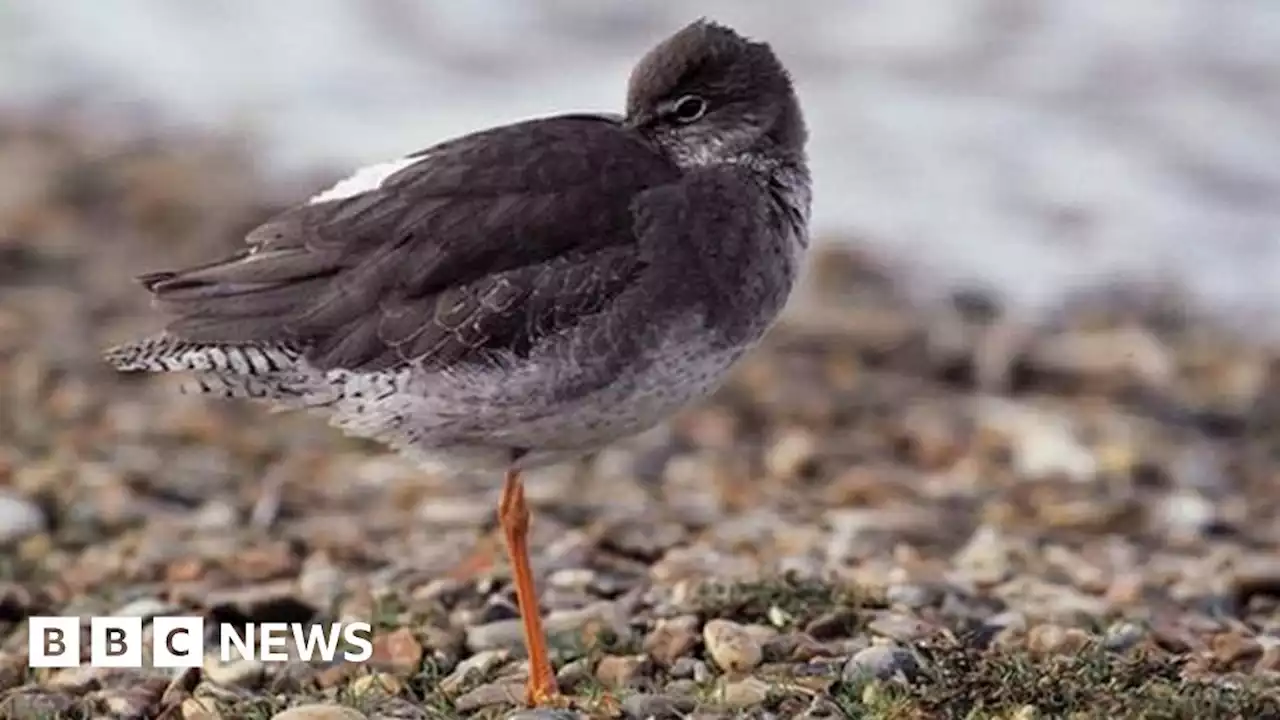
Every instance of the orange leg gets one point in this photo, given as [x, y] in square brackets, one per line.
[513, 515]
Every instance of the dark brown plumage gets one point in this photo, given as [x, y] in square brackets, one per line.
[491, 241]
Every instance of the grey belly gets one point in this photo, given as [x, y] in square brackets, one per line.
[455, 421]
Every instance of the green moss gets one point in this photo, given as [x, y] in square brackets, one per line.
[970, 684]
[793, 600]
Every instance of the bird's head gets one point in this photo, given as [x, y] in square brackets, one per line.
[706, 95]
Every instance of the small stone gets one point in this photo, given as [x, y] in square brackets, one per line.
[1232, 647]
[13, 671]
[132, 702]
[320, 582]
[902, 628]
[763, 634]
[732, 646]
[647, 705]
[684, 690]
[498, 693]
[672, 639]
[200, 709]
[1269, 663]
[744, 693]
[38, 704]
[145, 608]
[1050, 639]
[791, 455]
[1185, 515]
[832, 624]
[320, 711]
[180, 687]
[778, 617]
[79, 680]
[379, 683]
[19, 518]
[336, 674]
[572, 675]
[1122, 636]
[880, 662]
[621, 671]
[241, 672]
[913, 595]
[510, 633]
[473, 669]
[571, 578]
[545, 714]
[684, 667]
[821, 709]
[397, 651]
[1026, 712]
[986, 559]
[444, 590]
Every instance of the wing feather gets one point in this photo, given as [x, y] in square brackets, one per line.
[485, 244]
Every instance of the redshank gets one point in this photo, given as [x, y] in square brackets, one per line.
[520, 295]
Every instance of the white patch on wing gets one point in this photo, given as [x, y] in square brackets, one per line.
[363, 180]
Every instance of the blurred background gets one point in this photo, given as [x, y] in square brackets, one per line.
[1033, 147]
[1030, 381]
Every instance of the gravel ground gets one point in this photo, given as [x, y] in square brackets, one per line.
[858, 525]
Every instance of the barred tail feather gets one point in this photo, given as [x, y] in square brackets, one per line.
[166, 353]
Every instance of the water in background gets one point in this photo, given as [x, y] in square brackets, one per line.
[1036, 147]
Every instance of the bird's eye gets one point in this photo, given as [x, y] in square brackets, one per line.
[688, 108]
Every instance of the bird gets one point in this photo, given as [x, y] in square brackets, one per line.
[521, 295]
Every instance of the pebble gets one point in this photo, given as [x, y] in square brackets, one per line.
[398, 651]
[199, 709]
[474, 668]
[913, 595]
[621, 671]
[545, 714]
[1185, 515]
[832, 624]
[320, 711]
[572, 675]
[1050, 639]
[648, 705]
[744, 693]
[379, 683]
[320, 582]
[509, 692]
[880, 662]
[180, 686]
[733, 647]
[241, 672]
[128, 703]
[791, 455]
[684, 667]
[986, 558]
[903, 628]
[145, 608]
[1123, 635]
[509, 634]
[672, 639]
[19, 518]
[79, 680]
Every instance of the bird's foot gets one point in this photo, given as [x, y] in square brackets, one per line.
[544, 693]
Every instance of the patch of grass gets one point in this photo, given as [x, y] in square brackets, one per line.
[792, 600]
[255, 707]
[424, 687]
[968, 684]
[389, 613]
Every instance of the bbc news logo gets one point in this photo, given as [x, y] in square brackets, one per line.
[178, 642]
